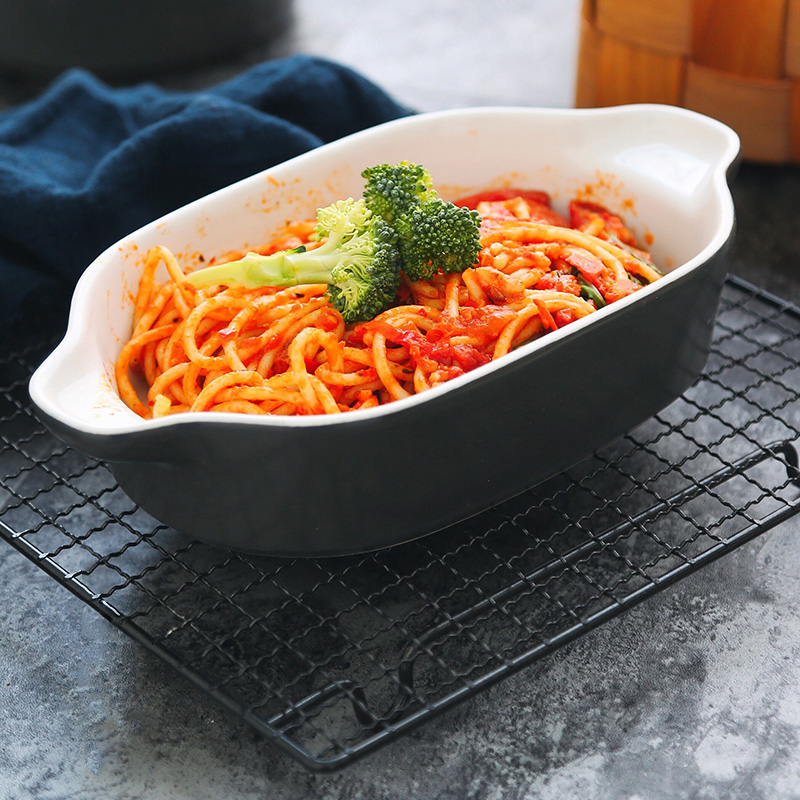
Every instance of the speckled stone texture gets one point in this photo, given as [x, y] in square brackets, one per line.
[694, 694]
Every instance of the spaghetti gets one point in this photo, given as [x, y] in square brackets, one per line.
[288, 351]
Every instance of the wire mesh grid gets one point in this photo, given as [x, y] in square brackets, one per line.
[331, 657]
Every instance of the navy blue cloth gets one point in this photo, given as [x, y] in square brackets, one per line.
[85, 164]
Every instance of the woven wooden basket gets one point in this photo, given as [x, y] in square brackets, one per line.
[735, 60]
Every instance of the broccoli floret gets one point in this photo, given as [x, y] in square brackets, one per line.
[392, 190]
[358, 259]
[432, 234]
[438, 235]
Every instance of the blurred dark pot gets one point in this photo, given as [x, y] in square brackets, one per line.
[132, 38]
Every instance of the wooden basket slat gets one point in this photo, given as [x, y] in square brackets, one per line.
[586, 90]
[759, 110]
[795, 124]
[631, 74]
[740, 36]
[792, 48]
[656, 24]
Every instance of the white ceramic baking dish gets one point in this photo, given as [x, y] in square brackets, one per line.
[374, 478]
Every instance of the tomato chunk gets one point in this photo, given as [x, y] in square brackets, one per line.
[560, 282]
[498, 195]
[497, 204]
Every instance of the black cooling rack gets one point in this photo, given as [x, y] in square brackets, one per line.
[330, 658]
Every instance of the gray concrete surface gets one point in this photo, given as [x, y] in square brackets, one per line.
[694, 694]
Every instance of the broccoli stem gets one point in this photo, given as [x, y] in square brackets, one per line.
[284, 268]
